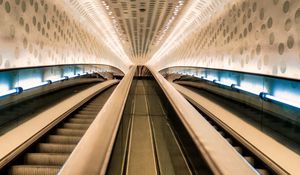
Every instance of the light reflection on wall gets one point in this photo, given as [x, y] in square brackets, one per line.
[28, 82]
[285, 89]
[34, 77]
[68, 72]
[287, 95]
[212, 77]
[4, 87]
[228, 80]
[254, 87]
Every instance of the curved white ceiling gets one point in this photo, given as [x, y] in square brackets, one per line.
[53, 32]
[133, 28]
[145, 29]
[92, 14]
[196, 15]
[244, 35]
[256, 36]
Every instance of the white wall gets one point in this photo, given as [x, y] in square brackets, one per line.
[259, 36]
[47, 32]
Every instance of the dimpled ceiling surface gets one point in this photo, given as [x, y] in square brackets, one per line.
[142, 24]
[50, 32]
[259, 36]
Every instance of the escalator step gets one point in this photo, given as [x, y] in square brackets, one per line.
[262, 171]
[45, 159]
[88, 116]
[33, 170]
[238, 149]
[54, 148]
[70, 132]
[222, 133]
[80, 121]
[92, 107]
[88, 112]
[229, 140]
[63, 139]
[98, 101]
[75, 126]
[250, 160]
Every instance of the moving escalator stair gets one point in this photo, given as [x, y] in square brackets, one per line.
[52, 151]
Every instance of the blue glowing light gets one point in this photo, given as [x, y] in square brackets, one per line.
[222, 83]
[249, 90]
[58, 79]
[228, 81]
[72, 76]
[270, 97]
[207, 79]
[9, 92]
[35, 85]
[212, 77]
[252, 87]
[4, 86]
[287, 93]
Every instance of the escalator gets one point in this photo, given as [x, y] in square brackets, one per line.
[49, 153]
[16, 114]
[151, 139]
[250, 115]
[279, 128]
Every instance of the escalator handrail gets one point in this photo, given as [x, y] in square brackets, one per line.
[92, 154]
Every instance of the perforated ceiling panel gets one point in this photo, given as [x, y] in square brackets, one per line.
[143, 24]
[48, 32]
[258, 36]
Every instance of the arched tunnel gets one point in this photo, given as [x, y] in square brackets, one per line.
[149, 87]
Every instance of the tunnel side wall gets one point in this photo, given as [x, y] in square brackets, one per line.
[246, 35]
[47, 32]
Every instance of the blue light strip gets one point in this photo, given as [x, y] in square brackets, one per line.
[222, 83]
[262, 94]
[9, 92]
[36, 85]
[19, 90]
[244, 89]
[58, 79]
[73, 76]
[252, 90]
[270, 97]
[207, 79]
